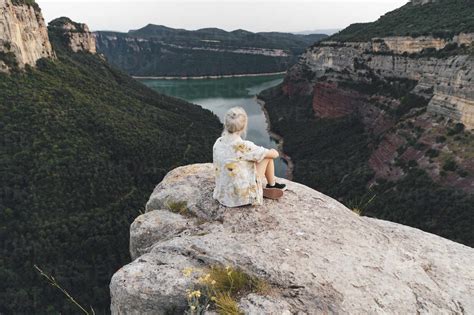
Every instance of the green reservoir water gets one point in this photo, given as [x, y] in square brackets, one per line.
[218, 95]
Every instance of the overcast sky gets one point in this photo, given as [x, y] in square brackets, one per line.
[252, 15]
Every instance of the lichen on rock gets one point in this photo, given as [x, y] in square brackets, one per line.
[318, 255]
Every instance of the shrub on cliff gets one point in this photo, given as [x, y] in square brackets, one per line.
[27, 2]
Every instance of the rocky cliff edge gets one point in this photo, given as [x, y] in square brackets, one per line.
[317, 255]
[77, 36]
[23, 36]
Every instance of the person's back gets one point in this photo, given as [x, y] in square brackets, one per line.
[237, 183]
[240, 165]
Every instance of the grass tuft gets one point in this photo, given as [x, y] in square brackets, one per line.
[222, 287]
[180, 207]
[359, 205]
[226, 305]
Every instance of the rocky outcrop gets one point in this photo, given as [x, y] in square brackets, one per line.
[410, 45]
[77, 35]
[317, 255]
[23, 36]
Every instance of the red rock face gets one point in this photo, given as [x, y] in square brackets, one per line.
[376, 120]
[301, 88]
[295, 83]
[330, 101]
[381, 159]
[292, 88]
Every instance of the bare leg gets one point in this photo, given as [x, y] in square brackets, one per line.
[266, 168]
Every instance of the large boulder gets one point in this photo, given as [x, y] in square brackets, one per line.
[318, 256]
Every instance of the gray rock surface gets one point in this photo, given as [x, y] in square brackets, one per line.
[154, 227]
[318, 256]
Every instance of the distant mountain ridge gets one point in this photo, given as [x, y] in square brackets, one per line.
[157, 50]
[327, 31]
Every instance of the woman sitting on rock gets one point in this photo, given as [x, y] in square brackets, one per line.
[240, 165]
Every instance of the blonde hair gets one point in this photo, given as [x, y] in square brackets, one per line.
[235, 122]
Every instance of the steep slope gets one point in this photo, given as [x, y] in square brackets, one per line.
[385, 125]
[156, 50]
[82, 146]
[314, 254]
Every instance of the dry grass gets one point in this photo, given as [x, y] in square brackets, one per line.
[179, 207]
[52, 281]
[359, 205]
[227, 305]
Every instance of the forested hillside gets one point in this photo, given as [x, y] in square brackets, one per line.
[442, 18]
[82, 147]
[157, 50]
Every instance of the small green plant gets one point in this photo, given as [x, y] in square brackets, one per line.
[463, 173]
[450, 165]
[401, 150]
[458, 128]
[52, 281]
[179, 207]
[9, 59]
[26, 2]
[412, 163]
[359, 205]
[432, 153]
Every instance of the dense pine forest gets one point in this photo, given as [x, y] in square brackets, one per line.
[82, 147]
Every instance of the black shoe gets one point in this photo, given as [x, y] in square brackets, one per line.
[276, 186]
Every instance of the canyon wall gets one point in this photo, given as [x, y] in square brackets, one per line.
[408, 92]
[156, 50]
[450, 78]
[23, 35]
